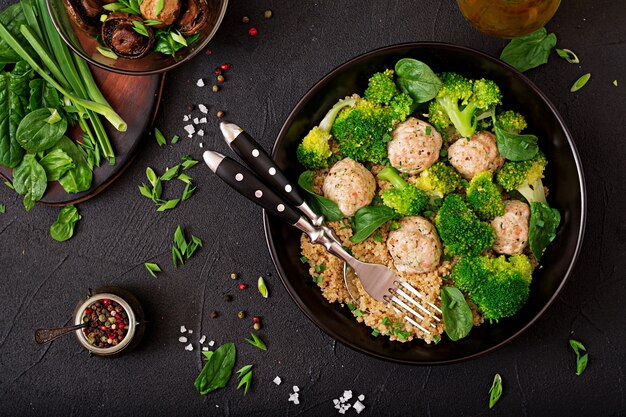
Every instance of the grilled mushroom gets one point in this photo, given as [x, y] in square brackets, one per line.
[194, 17]
[85, 13]
[168, 14]
[119, 35]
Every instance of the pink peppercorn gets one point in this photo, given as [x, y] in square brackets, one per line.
[243, 286]
[253, 31]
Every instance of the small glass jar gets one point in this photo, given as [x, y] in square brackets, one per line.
[130, 304]
[508, 18]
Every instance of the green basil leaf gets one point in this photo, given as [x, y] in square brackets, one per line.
[56, 163]
[516, 146]
[457, 316]
[218, 369]
[417, 80]
[36, 134]
[14, 91]
[42, 95]
[320, 204]
[368, 219]
[79, 178]
[63, 228]
[544, 221]
[529, 51]
[29, 180]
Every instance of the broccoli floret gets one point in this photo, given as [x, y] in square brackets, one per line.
[484, 197]
[440, 179]
[314, 150]
[401, 106]
[381, 88]
[459, 100]
[525, 177]
[404, 198]
[511, 121]
[497, 286]
[461, 231]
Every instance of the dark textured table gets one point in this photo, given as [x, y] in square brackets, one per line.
[41, 280]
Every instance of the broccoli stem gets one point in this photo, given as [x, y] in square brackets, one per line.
[393, 176]
[327, 122]
[533, 193]
[463, 120]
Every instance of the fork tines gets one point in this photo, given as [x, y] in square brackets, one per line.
[401, 298]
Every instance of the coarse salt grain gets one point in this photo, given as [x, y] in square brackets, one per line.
[190, 129]
[200, 132]
[295, 388]
[294, 396]
[200, 83]
[347, 394]
[190, 331]
[203, 108]
[196, 120]
[336, 402]
[358, 407]
[201, 145]
[189, 347]
[203, 120]
[182, 339]
[277, 380]
[205, 349]
[211, 343]
[183, 329]
[202, 339]
[186, 118]
[361, 397]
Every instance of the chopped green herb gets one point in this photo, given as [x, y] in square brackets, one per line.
[394, 226]
[159, 137]
[436, 339]
[316, 280]
[245, 378]
[188, 191]
[3, 209]
[256, 342]
[152, 177]
[262, 287]
[568, 55]
[320, 268]
[140, 28]
[377, 237]
[152, 22]
[581, 360]
[304, 259]
[375, 332]
[443, 153]
[106, 52]
[177, 257]
[357, 312]
[159, 7]
[152, 268]
[580, 83]
[351, 306]
[175, 139]
[428, 213]
[8, 184]
[188, 162]
[178, 37]
[184, 178]
[171, 173]
[615, 83]
[428, 130]
[169, 204]
[495, 391]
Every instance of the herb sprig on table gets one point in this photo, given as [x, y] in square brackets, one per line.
[581, 359]
[155, 190]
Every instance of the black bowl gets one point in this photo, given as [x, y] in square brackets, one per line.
[564, 179]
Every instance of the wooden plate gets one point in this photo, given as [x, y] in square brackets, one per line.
[136, 99]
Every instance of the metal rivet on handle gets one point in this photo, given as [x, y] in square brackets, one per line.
[239, 177]
[272, 171]
[255, 153]
[258, 193]
[288, 188]
[280, 208]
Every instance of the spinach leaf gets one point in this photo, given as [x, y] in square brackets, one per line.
[40, 130]
[42, 95]
[544, 221]
[13, 103]
[368, 219]
[168, 45]
[515, 146]
[218, 369]
[63, 229]
[12, 18]
[457, 315]
[417, 80]
[529, 51]
[56, 163]
[319, 204]
[29, 180]
[78, 178]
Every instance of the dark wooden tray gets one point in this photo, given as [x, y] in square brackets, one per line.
[136, 99]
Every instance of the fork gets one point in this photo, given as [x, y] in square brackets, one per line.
[380, 282]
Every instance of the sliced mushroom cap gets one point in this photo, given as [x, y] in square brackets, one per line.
[194, 17]
[119, 35]
[167, 15]
[85, 13]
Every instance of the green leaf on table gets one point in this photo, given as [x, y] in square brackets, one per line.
[218, 369]
[262, 287]
[39, 130]
[457, 316]
[184, 178]
[145, 191]
[495, 392]
[169, 204]
[568, 55]
[368, 219]
[152, 176]
[180, 241]
[63, 228]
[188, 191]
[159, 137]
[3, 209]
[516, 146]
[580, 83]
[257, 342]
[152, 268]
[416, 79]
[56, 163]
[581, 359]
[29, 180]
[188, 162]
[171, 173]
[320, 204]
[529, 51]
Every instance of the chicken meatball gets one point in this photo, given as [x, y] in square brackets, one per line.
[167, 15]
[415, 247]
[350, 185]
[478, 154]
[415, 146]
[512, 228]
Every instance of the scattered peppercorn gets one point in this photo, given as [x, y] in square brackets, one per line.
[228, 298]
[245, 19]
[213, 314]
[208, 52]
[106, 323]
[233, 276]
[256, 319]
[267, 14]
[220, 114]
[215, 89]
[257, 326]
[189, 107]
[243, 286]
[225, 67]
[253, 32]
[217, 71]
[241, 314]
[220, 79]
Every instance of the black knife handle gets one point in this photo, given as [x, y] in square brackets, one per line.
[262, 164]
[250, 186]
